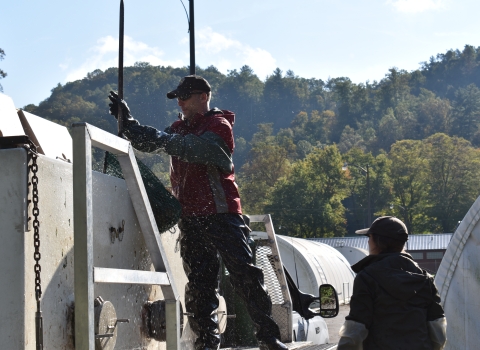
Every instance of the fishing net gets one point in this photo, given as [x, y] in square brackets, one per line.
[166, 208]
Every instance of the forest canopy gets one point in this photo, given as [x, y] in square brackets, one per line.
[417, 131]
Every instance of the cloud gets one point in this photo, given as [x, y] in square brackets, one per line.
[415, 6]
[228, 54]
[105, 55]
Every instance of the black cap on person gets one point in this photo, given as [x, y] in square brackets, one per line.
[387, 226]
[188, 84]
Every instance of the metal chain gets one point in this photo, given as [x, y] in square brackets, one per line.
[31, 148]
[36, 228]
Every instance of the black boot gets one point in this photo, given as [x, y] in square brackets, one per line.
[271, 344]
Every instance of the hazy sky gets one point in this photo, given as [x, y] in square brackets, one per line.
[51, 42]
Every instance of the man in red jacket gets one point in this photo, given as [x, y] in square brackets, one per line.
[202, 176]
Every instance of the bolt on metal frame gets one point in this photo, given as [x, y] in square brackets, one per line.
[86, 274]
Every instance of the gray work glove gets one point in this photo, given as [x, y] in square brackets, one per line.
[116, 101]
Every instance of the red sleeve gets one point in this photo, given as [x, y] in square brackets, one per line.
[222, 128]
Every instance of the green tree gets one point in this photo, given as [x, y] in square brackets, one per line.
[408, 173]
[380, 185]
[277, 87]
[267, 162]
[352, 102]
[394, 88]
[266, 165]
[433, 113]
[308, 202]
[389, 130]
[319, 126]
[454, 169]
[242, 92]
[466, 112]
[2, 73]
[350, 139]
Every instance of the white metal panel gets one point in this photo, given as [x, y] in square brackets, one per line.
[124, 276]
[458, 282]
[313, 264]
[13, 192]
[9, 123]
[85, 136]
[352, 254]
[105, 140]
[112, 204]
[53, 139]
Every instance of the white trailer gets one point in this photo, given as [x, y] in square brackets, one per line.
[102, 260]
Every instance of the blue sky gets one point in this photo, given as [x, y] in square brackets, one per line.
[51, 42]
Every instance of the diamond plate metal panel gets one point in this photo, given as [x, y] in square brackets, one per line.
[281, 315]
[269, 260]
[264, 257]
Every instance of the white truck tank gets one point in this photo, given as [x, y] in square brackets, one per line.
[113, 206]
[111, 255]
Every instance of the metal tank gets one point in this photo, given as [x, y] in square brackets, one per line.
[96, 239]
[108, 278]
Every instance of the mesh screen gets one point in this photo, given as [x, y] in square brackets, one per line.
[263, 256]
[166, 208]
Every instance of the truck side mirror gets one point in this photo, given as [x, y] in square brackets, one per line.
[329, 304]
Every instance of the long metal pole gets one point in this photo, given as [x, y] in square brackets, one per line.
[120, 68]
[192, 38]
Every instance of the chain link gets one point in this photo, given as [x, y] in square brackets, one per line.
[36, 227]
[32, 150]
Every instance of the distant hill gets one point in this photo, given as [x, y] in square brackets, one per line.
[441, 96]
[410, 140]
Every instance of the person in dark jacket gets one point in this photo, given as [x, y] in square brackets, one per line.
[202, 176]
[395, 304]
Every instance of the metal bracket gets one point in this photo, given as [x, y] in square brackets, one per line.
[84, 137]
[117, 233]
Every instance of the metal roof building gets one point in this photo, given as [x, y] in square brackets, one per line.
[437, 241]
[427, 249]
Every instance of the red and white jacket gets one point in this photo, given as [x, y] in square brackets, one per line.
[202, 173]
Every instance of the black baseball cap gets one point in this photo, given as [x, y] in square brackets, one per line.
[386, 226]
[188, 84]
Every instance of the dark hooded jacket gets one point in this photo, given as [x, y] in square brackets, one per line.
[202, 173]
[394, 298]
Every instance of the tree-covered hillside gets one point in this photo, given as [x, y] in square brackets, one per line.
[417, 131]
